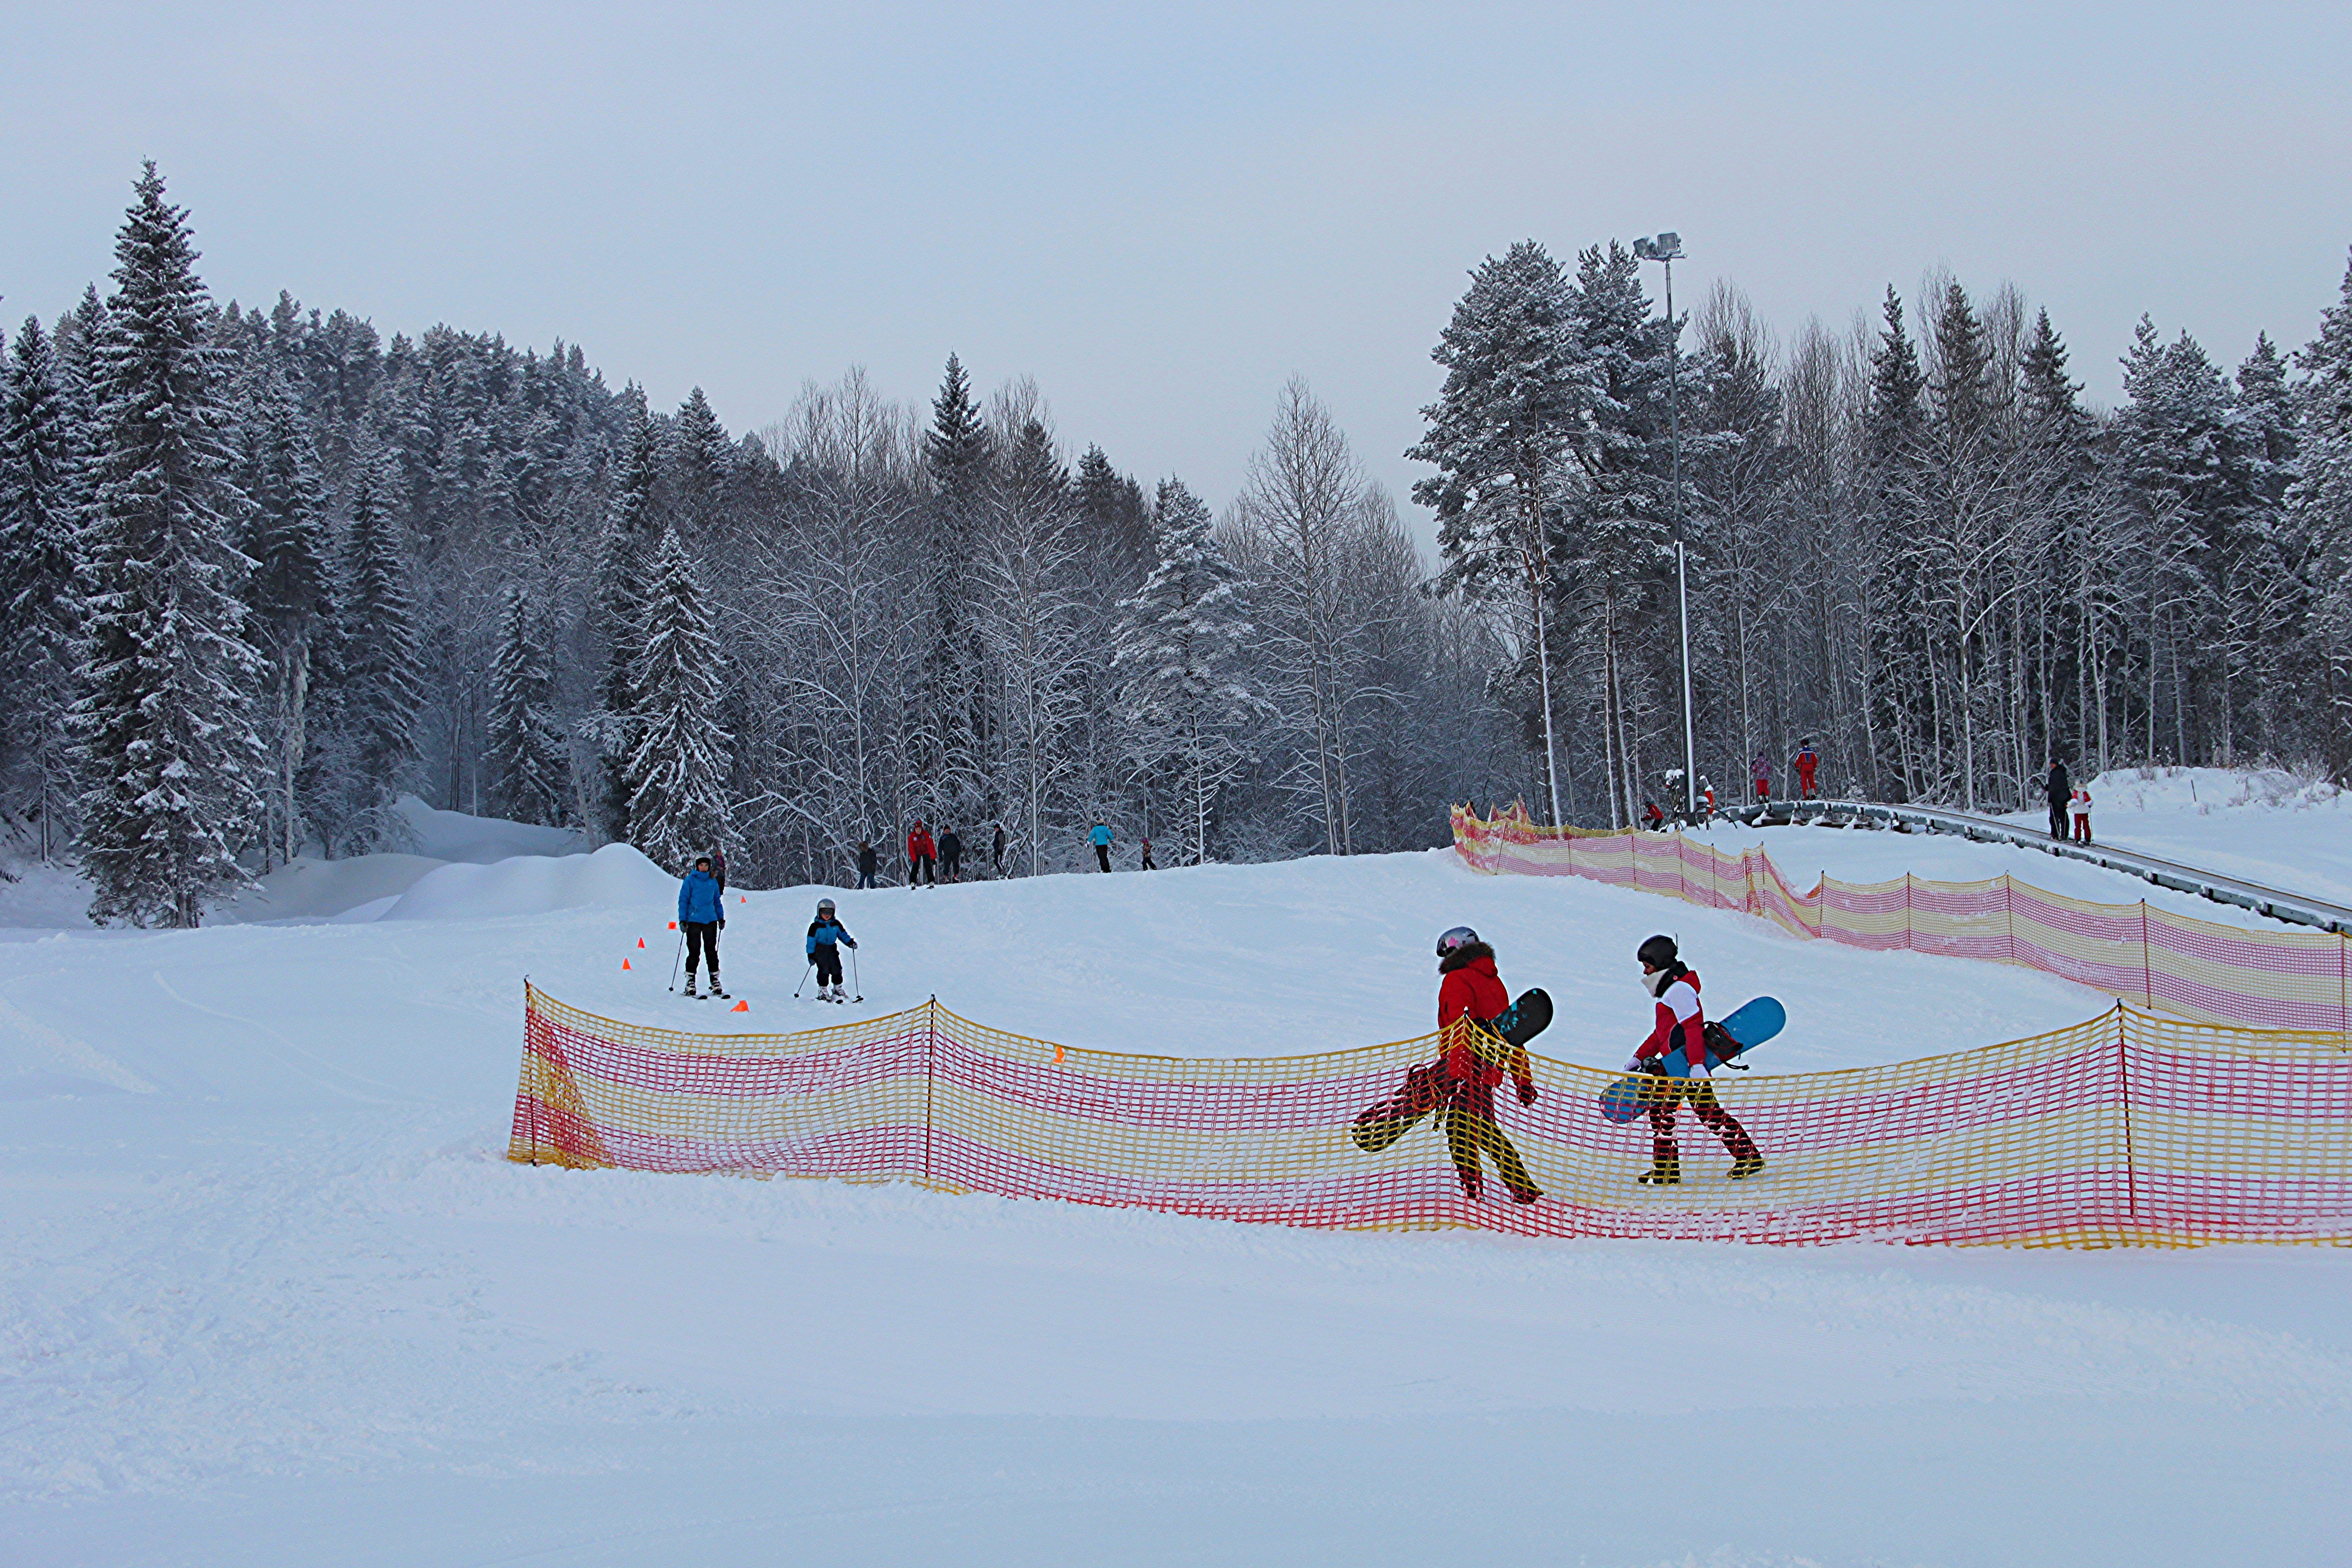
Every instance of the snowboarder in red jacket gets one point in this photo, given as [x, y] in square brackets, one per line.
[922, 856]
[1469, 998]
[1681, 1023]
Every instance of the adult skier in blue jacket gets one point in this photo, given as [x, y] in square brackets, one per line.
[701, 913]
[826, 937]
[1100, 838]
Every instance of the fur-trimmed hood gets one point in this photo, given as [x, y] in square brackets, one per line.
[1468, 953]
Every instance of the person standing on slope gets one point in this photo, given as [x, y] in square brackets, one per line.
[921, 855]
[1681, 1023]
[951, 855]
[1470, 996]
[2078, 807]
[718, 871]
[1807, 763]
[826, 938]
[2059, 789]
[868, 863]
[1100, 839]
[699, 916]
[1147, 856]
[998, 848]
[1759, 773]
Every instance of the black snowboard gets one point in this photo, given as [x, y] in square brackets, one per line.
[1378, 1126]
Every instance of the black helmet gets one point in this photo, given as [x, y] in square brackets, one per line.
[1658, 953]
[1459, 937]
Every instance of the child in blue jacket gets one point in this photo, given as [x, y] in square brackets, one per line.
[701, 913]
[826, 936]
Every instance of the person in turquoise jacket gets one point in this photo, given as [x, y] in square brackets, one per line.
[701, 913]
[1100, 837]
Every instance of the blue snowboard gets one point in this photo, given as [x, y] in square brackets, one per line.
[1727, 1038]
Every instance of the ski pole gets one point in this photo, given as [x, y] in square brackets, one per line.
[804, 979]
[679, 954]
[858, 985]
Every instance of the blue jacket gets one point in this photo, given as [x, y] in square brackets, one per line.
[697, 899]
[827, 933]
[1101, 835]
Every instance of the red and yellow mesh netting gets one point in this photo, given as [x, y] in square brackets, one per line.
[2130, 1129]
[2217, 974]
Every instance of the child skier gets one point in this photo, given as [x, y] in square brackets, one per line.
[1759, 773]
[1469, 997]
[2078, 806]
[699, 916]
[867, 861]
[826, 938]
[1147, 856]
[1680, 1022]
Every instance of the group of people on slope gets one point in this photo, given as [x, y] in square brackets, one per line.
[1807, 764]
[931, 861]
[1471, 998]
[2070, 805]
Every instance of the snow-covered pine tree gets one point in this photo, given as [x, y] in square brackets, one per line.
[163, 724]
[528, 780]
[42, 496]
[1181, 656]
[1516, 392]
[618, 613]
[2319, 503]
[677, 770]
[946, 722]
[379, 693]
[286, 535]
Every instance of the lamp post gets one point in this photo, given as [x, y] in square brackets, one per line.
[1667, 247]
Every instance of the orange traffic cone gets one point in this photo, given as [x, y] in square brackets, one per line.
[741, 1007]
[625, 963]
[1057, 1056]
[641, 942]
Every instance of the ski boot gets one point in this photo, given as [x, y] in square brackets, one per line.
[690, 993]
[715, 992]
[1747, 1165]
[1525, 1195]
[1661, 1173]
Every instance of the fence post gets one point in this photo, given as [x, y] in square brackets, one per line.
[1906, 913]
[2131, 1156]
[2147, 959]
[930, 1050]
[2009, 914]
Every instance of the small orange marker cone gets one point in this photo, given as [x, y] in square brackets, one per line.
[1057, 1056]
[641, 942]
[673, 925]
[741, 1007]
[625, 963]
[740, 898]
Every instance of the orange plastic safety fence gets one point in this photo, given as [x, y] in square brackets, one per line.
[2129, 1129]
[2217, 974]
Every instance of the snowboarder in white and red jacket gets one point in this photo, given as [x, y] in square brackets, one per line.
[1681, 1023]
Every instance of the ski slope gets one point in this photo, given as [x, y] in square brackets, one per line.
[269, 1294]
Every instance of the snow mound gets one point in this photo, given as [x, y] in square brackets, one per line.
[480, 840]
[619, 873]
[312, 889]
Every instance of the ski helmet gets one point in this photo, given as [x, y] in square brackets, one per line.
[1459, 937]
[1658, 953]
[824, 906]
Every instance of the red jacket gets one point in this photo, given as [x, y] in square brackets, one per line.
[918, 844]
[1680, 1022]
[1472, 991]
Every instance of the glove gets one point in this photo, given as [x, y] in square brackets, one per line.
[1636, 1064]
[851, 941]
[722, 922]
[1527, 1091]
[1697, 1072]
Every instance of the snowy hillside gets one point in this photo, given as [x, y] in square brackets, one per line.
[2278, 828]
[268, 1294]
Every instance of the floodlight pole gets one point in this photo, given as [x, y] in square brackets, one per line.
[1668, 249]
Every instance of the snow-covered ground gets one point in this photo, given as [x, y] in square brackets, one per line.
[2285, 830]
[269, 1294]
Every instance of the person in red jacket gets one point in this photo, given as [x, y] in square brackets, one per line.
[1469, 997]
[1808, 762]
[1681, 1022]
[922, 856]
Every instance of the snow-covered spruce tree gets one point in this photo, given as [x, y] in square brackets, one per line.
[528, 780]
[1027, 619]
[1180, 655]
[1516, 393]
[2319, 503]
[42, 492]
[677, 770]
[167, 747]
[618, 616]
[378, 690]
[286, 536]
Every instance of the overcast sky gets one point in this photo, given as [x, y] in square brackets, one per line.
[1162, 213]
